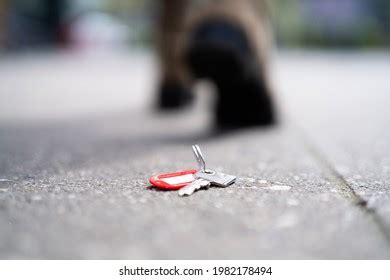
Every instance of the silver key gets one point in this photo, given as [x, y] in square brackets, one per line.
[194, 186]
[218, 179]
[205, 178]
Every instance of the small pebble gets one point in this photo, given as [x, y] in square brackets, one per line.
[36, 198]
[5, 180]
[292, 202]
[287, 220]
[218, 205]
[278, 188]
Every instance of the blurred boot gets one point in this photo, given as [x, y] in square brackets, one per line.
[174, 91]
[228, 44]
[225, 41]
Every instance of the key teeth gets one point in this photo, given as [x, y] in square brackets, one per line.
[183, 193]
[193, 187]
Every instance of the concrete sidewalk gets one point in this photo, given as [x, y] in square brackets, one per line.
[79, 142]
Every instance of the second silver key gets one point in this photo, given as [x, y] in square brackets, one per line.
[194, 186]
[218, 179]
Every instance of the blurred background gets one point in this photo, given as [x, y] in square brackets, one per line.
[56, 37]
[28, 24]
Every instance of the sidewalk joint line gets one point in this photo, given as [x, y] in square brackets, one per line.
[347, 190]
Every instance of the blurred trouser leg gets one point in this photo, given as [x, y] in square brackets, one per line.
[174, 88]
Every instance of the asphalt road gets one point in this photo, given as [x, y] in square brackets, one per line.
[78, 142]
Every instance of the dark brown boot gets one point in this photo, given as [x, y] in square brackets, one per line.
[225, 41]
[228, 44]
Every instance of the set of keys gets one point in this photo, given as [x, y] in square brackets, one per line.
[189, 181]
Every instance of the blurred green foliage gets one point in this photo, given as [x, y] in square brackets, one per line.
[331, 23]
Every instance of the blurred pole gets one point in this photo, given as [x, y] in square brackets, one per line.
[34, 24]
[382, 10]
[3, 28]
[52, 18]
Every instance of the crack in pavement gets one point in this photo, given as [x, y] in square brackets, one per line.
[346, 189]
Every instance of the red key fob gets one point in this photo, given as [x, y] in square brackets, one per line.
[173, 181]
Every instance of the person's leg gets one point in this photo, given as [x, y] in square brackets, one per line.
[174, 84]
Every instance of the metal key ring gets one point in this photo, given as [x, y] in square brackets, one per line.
[199, 157]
